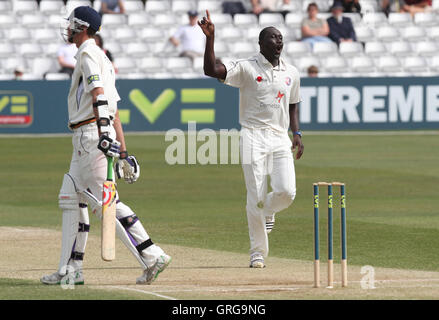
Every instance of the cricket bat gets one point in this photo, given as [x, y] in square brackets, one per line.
[108, 234]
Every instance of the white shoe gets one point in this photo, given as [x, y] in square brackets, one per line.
[269, 223]
[257, 261]
[56, 278]
[150, 274]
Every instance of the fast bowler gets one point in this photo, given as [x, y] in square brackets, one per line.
[268, 106]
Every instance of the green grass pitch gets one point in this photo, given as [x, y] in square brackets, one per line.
[391, 185]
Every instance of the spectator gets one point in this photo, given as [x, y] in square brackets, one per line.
[233, 7]
[18, 73]
[190, 38]
[112, 7]
[415, 6]
[313, 71]
[263, 6]
[385, 6]
[314, 29]
[351, 6]
[340, 28]
[100, 44]
[66, 58]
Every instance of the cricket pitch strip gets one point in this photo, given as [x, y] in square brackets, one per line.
[29, 253]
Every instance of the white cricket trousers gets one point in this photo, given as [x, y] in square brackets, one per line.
[264, 153]
[88, 169]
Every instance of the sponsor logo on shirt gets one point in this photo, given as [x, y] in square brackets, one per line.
[288, 81]
[275, 105]
[279, 96]
[92, 78]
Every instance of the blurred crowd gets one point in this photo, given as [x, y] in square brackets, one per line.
[190, 40]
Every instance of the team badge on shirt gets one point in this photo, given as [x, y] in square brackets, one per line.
[288, 81]
[279, 96]
[94, 77]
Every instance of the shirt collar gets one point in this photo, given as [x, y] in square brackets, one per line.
[264, 61]
[83, 45]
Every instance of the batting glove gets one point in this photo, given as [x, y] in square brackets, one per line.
[128, 168]
[108, 146]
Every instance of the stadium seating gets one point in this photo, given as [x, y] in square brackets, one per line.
[364, 33]
[212, 6]
[7, 21]
[138, 20]
[54, 76]
[375, 49]
[387, 33]
[221, 19]
[245, 20]
[114, 47]
[137, 49]
[434, 63]
[21, 7]
[252, 34]
[242, 49]
[41, 66]
[178, 65]
[151, 64]
[294, 20]
[363, 64]
[298, 48]
[5, 6]
[413, 33]
[9, 64]
[72, 4]
[181, 6]
[426, 48]
[415, 64]
[126, 65]
[18, 35]
[324, 48]
[155, 6]
[400, 48]
[270, 19]
[113, 20]
[51, 7]
[375, 18]
[389, 63]
[133, 6]
[396, 45]
[425, 19]
[6, 77]
[350, 49]
[335, 64]
[44, 35]
[305, 62]
[399, 19]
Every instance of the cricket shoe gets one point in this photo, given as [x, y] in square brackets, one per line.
[56, 278]
[150, 274]
[257, 261]
[269, 223]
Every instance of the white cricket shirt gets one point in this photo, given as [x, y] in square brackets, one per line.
[265, 92]
[93, 69]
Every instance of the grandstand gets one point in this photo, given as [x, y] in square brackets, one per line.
[397, 45]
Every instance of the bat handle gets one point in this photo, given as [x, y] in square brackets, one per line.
[110, 171]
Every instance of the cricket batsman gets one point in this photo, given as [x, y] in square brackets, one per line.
[97, 133]
[268, 106]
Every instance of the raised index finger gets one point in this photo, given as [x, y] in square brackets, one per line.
[208, 15]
